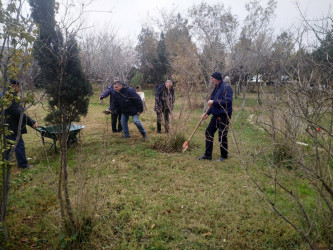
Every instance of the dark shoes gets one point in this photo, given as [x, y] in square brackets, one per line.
[159, 132]
[209, 158]
[220, 159]
[26, 167]
[145, 136]
[204, 157]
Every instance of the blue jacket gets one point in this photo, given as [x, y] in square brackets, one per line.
[222, 97]
[109, 91]
[13, 113]
[127, 102]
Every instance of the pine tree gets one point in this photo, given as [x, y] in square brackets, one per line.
[146, 49]
[60, 68]
[162, 65]
[67, 87]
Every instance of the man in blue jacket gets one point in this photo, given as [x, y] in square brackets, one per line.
[13, 114]
[109, 91]
[220, 104]
[128, 103]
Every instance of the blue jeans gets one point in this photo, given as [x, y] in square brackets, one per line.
[21, 157]
[124, 124]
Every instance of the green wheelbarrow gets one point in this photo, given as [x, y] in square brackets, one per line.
[52, 132]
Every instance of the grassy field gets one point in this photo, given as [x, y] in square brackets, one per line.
[129, 195]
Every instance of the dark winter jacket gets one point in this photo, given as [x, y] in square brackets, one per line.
[109, 91]
[127, 102]
[13, 113]
[222, 97]
[164, 98]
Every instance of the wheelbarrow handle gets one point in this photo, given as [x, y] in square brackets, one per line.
[40, 128]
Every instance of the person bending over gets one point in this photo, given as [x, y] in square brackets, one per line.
[128, 103]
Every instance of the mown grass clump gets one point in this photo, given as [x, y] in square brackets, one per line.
[172, 143]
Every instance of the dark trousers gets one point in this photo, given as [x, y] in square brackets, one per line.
[114, 119]
[219, 123]
[21, 157]
[165, 114]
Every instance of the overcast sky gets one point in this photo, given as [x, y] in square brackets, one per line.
[128, 15]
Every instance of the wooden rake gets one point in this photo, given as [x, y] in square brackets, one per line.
[185, 145]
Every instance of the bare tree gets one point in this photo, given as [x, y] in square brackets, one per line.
[298, 121]
[106, 56]
[15, 60]
[214, 29]
[250, 54]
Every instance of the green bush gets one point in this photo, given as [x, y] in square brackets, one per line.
[283, 156]
[137, 79]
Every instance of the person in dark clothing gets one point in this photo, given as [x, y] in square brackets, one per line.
[220, 104]
[12, 116]
[164, 103]
[115, 117]
[128, 103]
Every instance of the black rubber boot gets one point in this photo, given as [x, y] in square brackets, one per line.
[158, 127]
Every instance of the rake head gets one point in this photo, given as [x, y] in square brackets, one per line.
[185, 146]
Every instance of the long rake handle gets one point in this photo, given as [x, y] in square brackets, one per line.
[196, 128]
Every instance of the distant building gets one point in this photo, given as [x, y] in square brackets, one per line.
[256, 78]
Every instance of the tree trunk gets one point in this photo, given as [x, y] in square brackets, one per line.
[65, 199]
[208, 87]
[244, 95]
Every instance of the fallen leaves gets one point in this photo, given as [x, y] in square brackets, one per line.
[206, 234]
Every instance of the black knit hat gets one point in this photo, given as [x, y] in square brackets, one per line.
[13, 81]
[217, 75]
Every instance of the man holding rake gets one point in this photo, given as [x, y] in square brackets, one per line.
[220, 104]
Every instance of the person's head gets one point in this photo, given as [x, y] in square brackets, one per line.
[15, 85]
[138, 88]
[216, 77]
[227, 80]
[168, 84]
[117, 85]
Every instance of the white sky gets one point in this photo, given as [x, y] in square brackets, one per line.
[128, 15]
